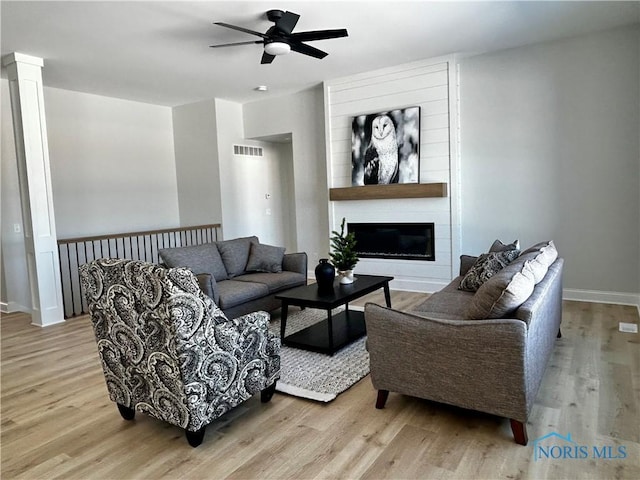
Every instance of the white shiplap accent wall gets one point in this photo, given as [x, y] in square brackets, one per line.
[425, 84]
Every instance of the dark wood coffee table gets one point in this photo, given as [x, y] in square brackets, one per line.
[330, 335]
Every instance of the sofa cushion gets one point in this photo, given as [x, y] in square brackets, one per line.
[233, 292]
[498, 246]
[450, 302]
[265, 258]
[503, 293]
[487, 265]
[203, 258]
[274, 281]
[235, 254]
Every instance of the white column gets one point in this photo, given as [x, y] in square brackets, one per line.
[32, 151]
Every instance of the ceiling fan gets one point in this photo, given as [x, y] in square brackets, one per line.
[279, 39]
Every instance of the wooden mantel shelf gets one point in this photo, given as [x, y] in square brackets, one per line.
[403, 190]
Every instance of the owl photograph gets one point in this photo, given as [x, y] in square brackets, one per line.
[385, 147]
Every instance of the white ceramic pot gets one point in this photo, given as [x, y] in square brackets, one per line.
[346, 277]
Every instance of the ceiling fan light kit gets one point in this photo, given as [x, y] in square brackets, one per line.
[277, 48]
[280, 39]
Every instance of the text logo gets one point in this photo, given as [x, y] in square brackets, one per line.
[554, 446]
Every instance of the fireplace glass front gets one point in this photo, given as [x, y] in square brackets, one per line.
[404, 241]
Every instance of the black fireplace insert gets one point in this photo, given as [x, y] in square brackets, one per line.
[404, 241]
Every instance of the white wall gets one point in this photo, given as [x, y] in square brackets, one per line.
[230, 131]
[196, 163]
[301, 115]
[424, 84]
[16, 293]
[112, 164]
[259, 202]
[112, 170]
[550, 150]
[215, 185]
[285, 199]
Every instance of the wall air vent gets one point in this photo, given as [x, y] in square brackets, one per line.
[247, 150]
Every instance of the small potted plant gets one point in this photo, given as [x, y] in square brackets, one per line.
[344, 256]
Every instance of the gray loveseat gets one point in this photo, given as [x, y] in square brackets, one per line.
[241, 275]
[485, 350]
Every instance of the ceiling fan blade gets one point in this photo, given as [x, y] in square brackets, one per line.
[240, 29]
[307, 50]
[319, 35]
[266, 58]
[287, 22]
[237, 43]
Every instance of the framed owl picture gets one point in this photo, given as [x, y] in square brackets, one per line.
[385, 147]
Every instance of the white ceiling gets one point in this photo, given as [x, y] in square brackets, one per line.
[158, 52]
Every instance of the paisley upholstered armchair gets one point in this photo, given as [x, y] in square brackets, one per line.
[168, 351]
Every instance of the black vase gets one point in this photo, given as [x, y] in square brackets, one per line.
[325, 273]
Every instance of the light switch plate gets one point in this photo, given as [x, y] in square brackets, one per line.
[628, 327]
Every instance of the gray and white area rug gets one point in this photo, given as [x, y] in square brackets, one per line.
[317, 376]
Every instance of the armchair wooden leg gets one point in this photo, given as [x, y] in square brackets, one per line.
[519, 430]
[382, 398]
[126, 412]
[195, 438]
[559, 333]
[267, 393]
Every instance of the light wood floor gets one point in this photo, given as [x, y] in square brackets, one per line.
[57, 420]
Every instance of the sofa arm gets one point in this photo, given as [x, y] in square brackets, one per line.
[252, 321]
[295, 262]
[208, 284]
[253, 328]
[247, 335]
[475, 364]
[223, 363]
[466, 262]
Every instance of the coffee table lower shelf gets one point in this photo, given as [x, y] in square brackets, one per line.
[348, 326]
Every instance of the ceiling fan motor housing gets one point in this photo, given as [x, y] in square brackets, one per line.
[274, 15]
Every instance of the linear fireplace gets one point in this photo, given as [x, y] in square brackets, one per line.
[404, 241]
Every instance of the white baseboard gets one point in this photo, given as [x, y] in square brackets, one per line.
[597, 296]
[48, 324]
[12, 307]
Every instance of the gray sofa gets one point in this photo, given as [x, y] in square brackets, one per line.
[241, 275]
[485, 350]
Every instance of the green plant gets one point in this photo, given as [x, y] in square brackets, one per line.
[344, 255]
